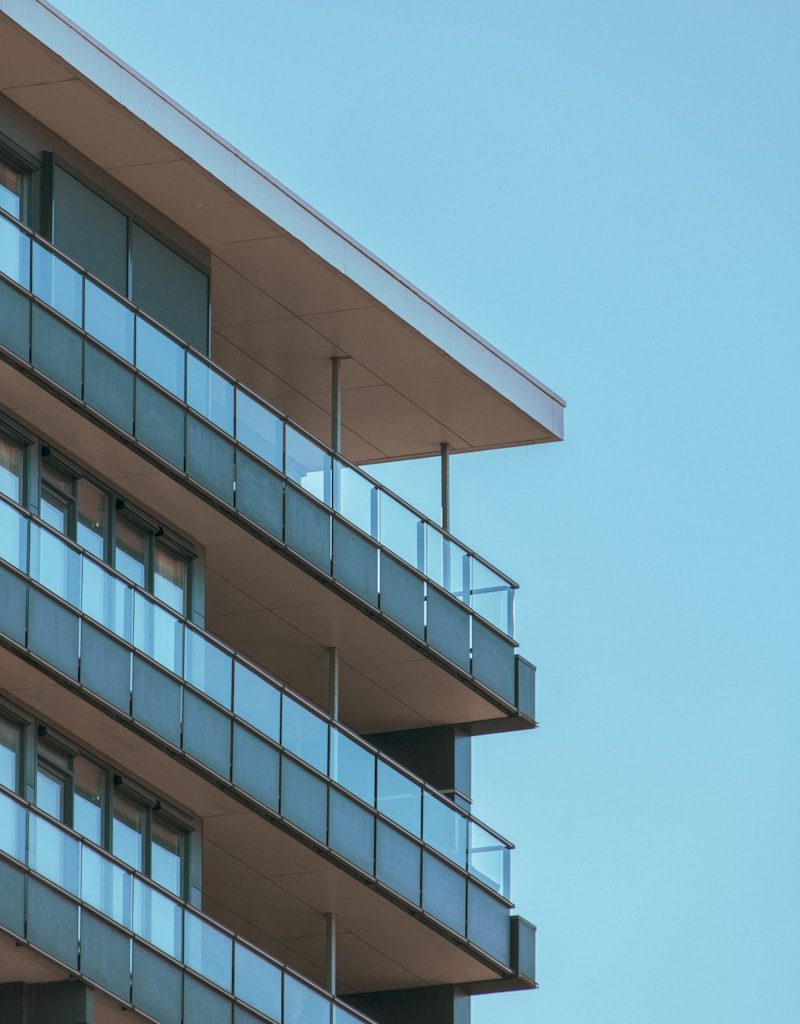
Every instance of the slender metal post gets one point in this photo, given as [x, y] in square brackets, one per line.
[445, 450]
[330, 953]
[333, 682]
[336, 404]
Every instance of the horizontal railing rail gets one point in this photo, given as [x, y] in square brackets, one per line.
[252, 695]
[242, 415]
[132, 905]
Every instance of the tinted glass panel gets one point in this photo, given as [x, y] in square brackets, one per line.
[210, 394]
[258, 982]
[259, 430]
[127, 838]
[92, 515]
[106, 886]
[305, 734]
[109, 321]
[10, 743]
[130, 555]
[169, 577]
[10, 468]
[15, 253]
[308, 465]
[58, 284]
[50, 791]
[399, 798]
[160, 358]
[87, 806]
[10, 190]
[257, 701]
[13, 536]
[166, 856]
[353, 767]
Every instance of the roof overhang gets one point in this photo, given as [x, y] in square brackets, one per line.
[290, 289]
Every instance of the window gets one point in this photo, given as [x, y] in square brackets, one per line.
[151, 562]
[74, 507]
[148, 841]
[11, 184]
[10, 753]
[70, 788]
[10, 468]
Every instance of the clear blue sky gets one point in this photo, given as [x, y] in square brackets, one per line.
[607, 190]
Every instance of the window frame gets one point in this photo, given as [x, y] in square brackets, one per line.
[27, 166]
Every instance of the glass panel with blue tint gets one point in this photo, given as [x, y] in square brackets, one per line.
[10, 468]
[13, 536]
[444, 829]
[55, 565]
[10, 748]
[257, 701]
[157, 918]
[107, 600]
[88, 785]
[15, 253]
[308, 465]
[107, 887]
[353, 767]
[401, 532]
[488, 859]
[356, 498]
[109, 320]
[127, 830]
[342, 1016]
[399, 798]
[160, 358]
[303, 1003]
[259, 429]
[208, 951]
[58, 284]
[130, 551]
[170, 572]
[167, 844]
[54, 854]
[305, 734]
[91, 517]
[50, 792]
[12, 827]
[208, 667]
[258, 982]
[456, 570]
[158, 633]
[490, 596]
[10, 190]
[209, 393]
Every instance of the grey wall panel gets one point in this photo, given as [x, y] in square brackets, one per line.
[156, 701]
[304, 799]
[12, 605]
[108, 387]
[56, 350]
[259, 494]
[256, 767]
[15, 321]
[398, 862]
[526, 687]
[169, 288]
[204, 1005]
[12, 898]
[355, 562]
[106, 667]
[53, 923]
[157, 986]
[402, 596]
[206, 734]
[493, 660]
[159, 423]
[209, 459]
[352, 831]
[90, 230]
[53, 633]
[489, 924]
[444, 893]
[106, 955]
[448, 627]
[308, 529]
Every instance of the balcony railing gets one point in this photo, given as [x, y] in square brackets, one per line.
[251, 696]
[123, 913]
[241, 415]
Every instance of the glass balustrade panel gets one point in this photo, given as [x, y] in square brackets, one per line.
[107, 887]
[209, 393]
[13, 537]
[15, 253]
[308, 465]
[158, 633]
[109, 321]
[208, 667]
[258, 982]
[303, 1003]
[399, 799]
[444, 829]
[157, 918]
[491, 596]
[54, 854]
[208, 951]
[353, 767]
[55, 565]
[160, 358]
[305, 734]
[401, 531]
[259, 429]
[107, 600]
[488, 859]
[12, 827]
[257, 701]
[356, 498]
[58, 284]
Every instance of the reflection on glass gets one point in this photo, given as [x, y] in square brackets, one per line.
[10, 745]
[402, 532]
[10, 190]
[209, 393]
[106, 886]
[208, 668]
[308, 465]
[166, 856]
[50, 792]
[302, 1003]
[305, 735]
[399, 798]
[208, 951]
[488, 859]
[10, 468]
[12, 827]
[158, 633]
[353, 767]
[257, 701]
[109, 321]
[107, 600]
[127, 831]
[54, 510]
[87, 801]
[169, 577]
[259, 429]
[58, 284]
[92, 513]
[15, 250]
[157, 918]
[445, 829]
[355, 498]
[55, 565]
[160, 358]
[54, 854]
[13, 536]
[258, 982]
[130, 552]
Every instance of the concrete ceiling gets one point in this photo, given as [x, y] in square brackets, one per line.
[290, 289]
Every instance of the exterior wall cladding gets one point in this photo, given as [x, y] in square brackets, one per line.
[238, 678]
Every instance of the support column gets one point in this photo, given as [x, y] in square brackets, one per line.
[336, 404]
[330, 953]
[333, 682]
[445, 457]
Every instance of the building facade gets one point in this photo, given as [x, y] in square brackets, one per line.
[238, 676]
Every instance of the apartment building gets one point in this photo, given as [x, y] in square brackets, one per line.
[238, 676]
